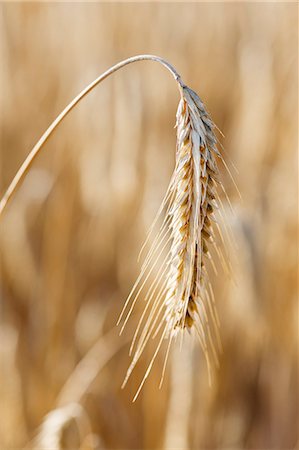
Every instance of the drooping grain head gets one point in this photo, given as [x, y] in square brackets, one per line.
[192, 206]
[180, 296]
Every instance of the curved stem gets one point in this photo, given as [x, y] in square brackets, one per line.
[36, 149]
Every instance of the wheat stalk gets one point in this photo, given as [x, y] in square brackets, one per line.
[180, 296]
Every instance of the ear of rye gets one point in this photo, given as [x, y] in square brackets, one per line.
[180, 296]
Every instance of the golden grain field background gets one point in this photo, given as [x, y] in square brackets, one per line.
[70, 238]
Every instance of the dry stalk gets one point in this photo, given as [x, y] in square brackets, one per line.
[57, 422]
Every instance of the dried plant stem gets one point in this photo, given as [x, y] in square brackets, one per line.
[38, 146]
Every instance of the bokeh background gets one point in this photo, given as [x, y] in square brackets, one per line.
[71, 236]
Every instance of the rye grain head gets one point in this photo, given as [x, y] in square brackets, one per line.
[180, 297]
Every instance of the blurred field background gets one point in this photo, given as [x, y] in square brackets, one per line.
[71, 236]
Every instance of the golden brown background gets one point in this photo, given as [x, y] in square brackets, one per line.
[71, 236]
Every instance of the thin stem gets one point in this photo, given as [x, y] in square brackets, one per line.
[38, 146]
